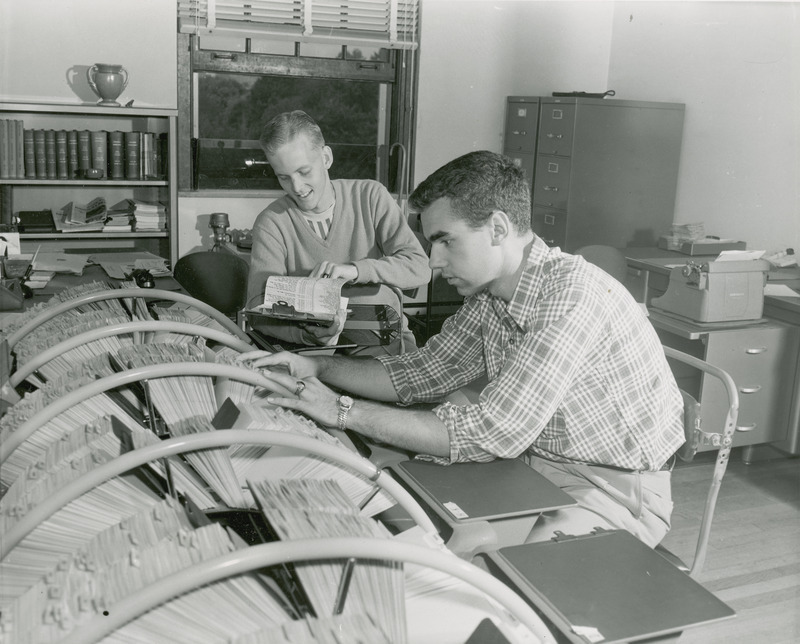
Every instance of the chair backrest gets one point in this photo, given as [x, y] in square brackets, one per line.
[610, 259]
[376, 318]
[217, 278]
[719, 438]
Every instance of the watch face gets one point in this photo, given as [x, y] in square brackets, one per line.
[346, 401]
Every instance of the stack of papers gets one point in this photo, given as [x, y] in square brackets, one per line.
[119, 217]
[59, 263]
[149, 216]
[120, 265]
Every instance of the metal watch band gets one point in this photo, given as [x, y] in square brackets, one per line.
[345, 403]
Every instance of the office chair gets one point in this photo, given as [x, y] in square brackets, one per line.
[696, 437]
[610, 259]
[216, 278]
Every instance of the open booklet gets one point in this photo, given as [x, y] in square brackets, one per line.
[307, 299]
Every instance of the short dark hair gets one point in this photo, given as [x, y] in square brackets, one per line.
[477, 184]
[286, 126]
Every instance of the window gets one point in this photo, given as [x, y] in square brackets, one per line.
[354, 73]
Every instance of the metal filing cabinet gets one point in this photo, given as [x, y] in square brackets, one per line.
[519, 143]
[605, 171]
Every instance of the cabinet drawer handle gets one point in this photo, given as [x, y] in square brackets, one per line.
[555, 136]
[549, 220]
[551, 188]
[756, 350]
[549, 242]
[520, 132]
[750, 390]
[746, 428]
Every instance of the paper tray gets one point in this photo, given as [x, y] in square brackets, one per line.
[710, 247]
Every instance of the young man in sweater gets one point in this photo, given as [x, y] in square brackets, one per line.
[578, 384]
[341, 228]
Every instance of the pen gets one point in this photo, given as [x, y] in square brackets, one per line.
[317, 348]
[29, 270]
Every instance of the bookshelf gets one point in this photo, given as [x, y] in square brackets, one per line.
[26, 186]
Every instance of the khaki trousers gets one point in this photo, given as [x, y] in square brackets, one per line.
[639, 502]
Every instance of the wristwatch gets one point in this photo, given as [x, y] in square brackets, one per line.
[345, 403]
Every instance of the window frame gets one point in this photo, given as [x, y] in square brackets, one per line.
[399, 72]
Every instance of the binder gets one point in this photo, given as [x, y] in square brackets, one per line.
[606, 586]
[500, 489]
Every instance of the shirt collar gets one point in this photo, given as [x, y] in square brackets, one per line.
[537, 265]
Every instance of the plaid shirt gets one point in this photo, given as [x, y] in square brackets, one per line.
[576, 372]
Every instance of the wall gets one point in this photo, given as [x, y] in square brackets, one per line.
[736, 66]
[46, 46]
[474, 53]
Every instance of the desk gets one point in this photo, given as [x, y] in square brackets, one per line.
[91, 273]
[762, 356]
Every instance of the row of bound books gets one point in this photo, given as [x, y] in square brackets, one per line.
[69, 154]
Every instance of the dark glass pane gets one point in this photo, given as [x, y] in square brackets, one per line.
[233, 107]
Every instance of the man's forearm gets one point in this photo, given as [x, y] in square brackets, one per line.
[419, 431]
[362, 376]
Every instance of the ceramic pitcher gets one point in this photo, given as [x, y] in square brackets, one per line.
[107, 81]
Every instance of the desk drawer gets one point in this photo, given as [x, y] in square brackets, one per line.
[761, 362]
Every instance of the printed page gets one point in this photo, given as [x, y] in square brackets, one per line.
[317, 296]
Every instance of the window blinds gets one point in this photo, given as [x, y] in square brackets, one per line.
[392, 24]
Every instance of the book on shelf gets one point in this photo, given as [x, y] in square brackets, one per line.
[30, 154]
[12, 161]
[61, 154]
[147, 167]
[162, 155]
[72, 154]
[84, 150]
[5, 158]
[132, 155]
[40, 154]
[116, 155]
[35, 221]
[75, 217]
[20, 137]
[50, 153]
[99, 141]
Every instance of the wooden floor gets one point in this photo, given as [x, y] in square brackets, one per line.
[753, 560]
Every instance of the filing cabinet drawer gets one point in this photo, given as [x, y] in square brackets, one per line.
[523, 160]
[551, 186]
[522, 118]
[556, 126]
[550, 225]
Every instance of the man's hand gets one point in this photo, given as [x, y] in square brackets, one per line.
[328, 269]
[324, 335]
[311, 398]
[298, 366]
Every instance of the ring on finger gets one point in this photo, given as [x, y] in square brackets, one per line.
[299, 387]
